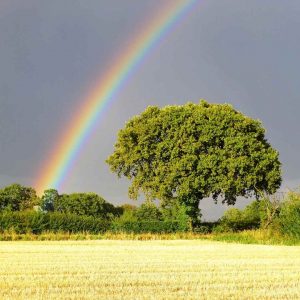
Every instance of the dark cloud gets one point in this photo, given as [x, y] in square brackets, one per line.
[52, 52]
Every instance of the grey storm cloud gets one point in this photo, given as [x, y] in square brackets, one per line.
[52, 52]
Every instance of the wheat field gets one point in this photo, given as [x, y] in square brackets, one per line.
[180, 269]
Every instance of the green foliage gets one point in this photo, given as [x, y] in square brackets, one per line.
[232, 220]
[257, 236]
[85, 204]
[174, 211]
[205, 227]
[146, 227]
[289, 216]
[258, 214]
[148, 212]
[127, 217]
[269, 211]
[251, 217]
[194, 151]
[253, 214]
[149, 218]
[23, 221]
[127, 207]
[38, 222]
[128, 214]
[74, 223]
[49, 198]
[16, 197]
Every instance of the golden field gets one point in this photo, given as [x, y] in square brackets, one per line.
[174, 269]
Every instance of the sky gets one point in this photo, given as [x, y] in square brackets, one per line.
[53, 52]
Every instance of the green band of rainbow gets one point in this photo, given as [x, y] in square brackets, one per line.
[69, 145]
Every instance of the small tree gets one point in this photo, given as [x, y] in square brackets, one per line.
[16, 197]
[86, 204]
[269, 209]
[175, 211]
[289, 216]
[49, 198]
[194, 151]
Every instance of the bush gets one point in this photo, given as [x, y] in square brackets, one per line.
[175, 211]
[205, 227]
[202, 229]
[38, 222]
[23, 222]
[237, 220]
[151, 219]
[148, 212]
[289, 216]
[146, 226]
[73, 223]
[233, 220]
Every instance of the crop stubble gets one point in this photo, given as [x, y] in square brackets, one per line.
[180, 269]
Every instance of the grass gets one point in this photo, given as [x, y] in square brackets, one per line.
[61, 236]
[258, 236]
[156, 269]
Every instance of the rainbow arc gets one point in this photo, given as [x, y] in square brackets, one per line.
[64, 153]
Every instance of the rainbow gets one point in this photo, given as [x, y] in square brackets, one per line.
[61, 159]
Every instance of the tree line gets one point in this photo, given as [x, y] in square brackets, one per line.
[23, 212]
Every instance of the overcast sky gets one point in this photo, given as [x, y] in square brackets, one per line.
[51, 52]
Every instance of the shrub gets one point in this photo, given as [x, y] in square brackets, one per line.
[205, 227]
[128, 216]
[73, 223]
[23, 222]
[149, 218]
[202, 229]
[232, 220]
[236, 220]
[146, 227]
[259, 213]
[175, 211]
[38, 222]
[289, 216]
[148, 212]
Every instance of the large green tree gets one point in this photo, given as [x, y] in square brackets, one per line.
[194, 151]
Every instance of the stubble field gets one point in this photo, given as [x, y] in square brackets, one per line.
[180, 269]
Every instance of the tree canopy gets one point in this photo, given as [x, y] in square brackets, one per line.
[16, 197]
[49, 199]
[82, 204]
[194, 151]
